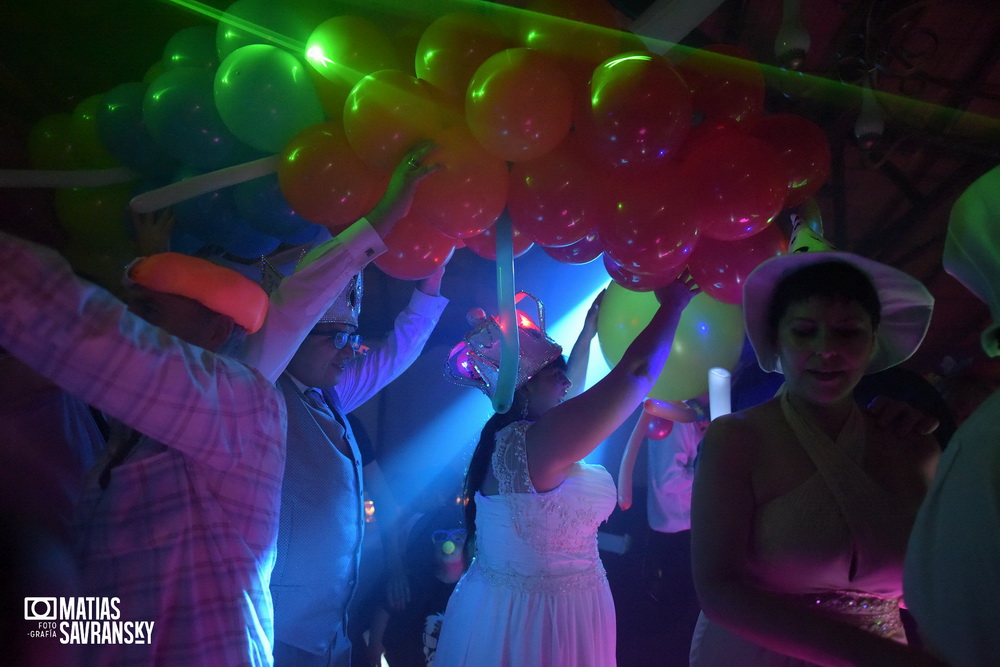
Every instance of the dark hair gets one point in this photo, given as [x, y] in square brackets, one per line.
[480, 462]
[832, 279]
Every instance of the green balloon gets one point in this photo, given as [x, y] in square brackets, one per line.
[50, 143]
[265, 97]
[710, 334]
[91, 153]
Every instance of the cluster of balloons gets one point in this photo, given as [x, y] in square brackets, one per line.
[591, 144]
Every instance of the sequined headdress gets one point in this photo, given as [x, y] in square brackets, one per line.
[475, 362]
[345, 309]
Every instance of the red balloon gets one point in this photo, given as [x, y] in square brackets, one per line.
[706, 132]
[453, 47]
[635, 281]
[737, 184]
[583, 251]
[647, 224]
[551, 197]
[468, 194]
[658, 428]
[725, 83]
[803, 150]
[324, 181]
[721, 267]
[387, 113]
[485, 244]
[640, 110]
[519, 104]
[414, 250]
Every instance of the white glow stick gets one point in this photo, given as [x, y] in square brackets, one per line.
[719, 398]
[68, 178]
[169, 195]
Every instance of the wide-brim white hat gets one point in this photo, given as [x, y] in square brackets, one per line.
[906, 306]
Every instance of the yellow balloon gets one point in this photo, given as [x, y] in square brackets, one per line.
[710, 334]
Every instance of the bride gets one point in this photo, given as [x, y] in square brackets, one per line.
[536, 592]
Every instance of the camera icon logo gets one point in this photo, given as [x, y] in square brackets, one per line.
[40, 609]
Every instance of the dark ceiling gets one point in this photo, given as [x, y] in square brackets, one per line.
[888, 198]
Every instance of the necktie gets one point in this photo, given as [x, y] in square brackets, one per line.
[327, 419]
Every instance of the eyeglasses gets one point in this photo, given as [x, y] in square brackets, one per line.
[442, 536]
[340, 338]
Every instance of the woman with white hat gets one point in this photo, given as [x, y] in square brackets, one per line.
[802, 505]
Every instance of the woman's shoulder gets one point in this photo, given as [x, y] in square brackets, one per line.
[749, 423]
[744, 433]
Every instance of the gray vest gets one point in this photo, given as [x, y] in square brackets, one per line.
[320, 527]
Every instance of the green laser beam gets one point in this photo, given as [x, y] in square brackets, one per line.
[913, 112]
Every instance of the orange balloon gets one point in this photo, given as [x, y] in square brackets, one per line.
[469, 192]
[453, 47]
[324, 181]
[580, 34]
[414, 250]
[519, 104]
[387, 113]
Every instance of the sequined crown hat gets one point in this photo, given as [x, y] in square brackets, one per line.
[475, 362]
[345, 309]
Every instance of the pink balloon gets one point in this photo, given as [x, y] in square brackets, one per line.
[485, 244]
[636, 281]
[658, 428]
[583, 251]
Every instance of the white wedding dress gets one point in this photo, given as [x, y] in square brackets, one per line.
[536, 593]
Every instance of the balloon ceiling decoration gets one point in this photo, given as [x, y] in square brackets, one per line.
[551, 116]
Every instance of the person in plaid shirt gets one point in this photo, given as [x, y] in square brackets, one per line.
[179, 520]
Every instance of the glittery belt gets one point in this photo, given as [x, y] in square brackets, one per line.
[874, 614]
[544, 583]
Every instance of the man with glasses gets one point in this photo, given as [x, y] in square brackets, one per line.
[322, 514]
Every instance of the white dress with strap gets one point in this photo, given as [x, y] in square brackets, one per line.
[536, 593]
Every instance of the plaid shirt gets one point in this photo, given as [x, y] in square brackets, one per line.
[184, 533]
